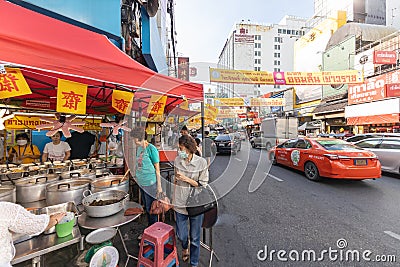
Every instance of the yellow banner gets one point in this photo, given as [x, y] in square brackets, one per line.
[229, 102]
[184, 105]
[241, 76]
[71, 97]
[122, 101]
[211, 112]
[286, 78]
[157, 105]
[267, 102]
[228, 113]
[12, 83]
[26, 122]
[324, 78]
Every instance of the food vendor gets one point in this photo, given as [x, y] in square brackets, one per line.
[56, 150]
[24, 152]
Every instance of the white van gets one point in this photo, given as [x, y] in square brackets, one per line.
[274, 131]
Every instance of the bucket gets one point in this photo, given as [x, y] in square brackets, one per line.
[65, 229]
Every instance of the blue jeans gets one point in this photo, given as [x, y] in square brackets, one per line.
[195, 232]
[147, 193]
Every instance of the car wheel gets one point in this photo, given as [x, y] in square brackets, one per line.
[311, 172]
[272, 159]
[268, 146]
[253, 145]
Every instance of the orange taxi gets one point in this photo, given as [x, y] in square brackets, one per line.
[327, 157]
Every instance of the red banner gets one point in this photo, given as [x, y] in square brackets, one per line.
[392, 90]
[385, 57]
[372, 89]
[183, 68]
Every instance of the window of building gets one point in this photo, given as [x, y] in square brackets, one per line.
[257, 45]
[257, 68]
[284, 31]
[257, 61]
[277, 55]
[277, 69]
[277, 63]
[277, 86]
[277, 47]
[279, 31]
[257, 37]
[257, 53]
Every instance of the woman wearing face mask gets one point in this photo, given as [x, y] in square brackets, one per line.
[23, 152]
[147, 171]
[190, 170]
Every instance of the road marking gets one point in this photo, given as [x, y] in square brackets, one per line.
[394, 235]
[238, 159]
[274, 177]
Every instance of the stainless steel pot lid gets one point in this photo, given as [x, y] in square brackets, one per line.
[101, 235]
[66, 185]
[40, 179]
[108, 181]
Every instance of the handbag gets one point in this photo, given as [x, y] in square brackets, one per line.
[201, 199]
[161, 205]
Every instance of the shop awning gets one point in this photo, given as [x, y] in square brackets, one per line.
[47, 49]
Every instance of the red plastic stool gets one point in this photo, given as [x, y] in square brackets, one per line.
[158, 247]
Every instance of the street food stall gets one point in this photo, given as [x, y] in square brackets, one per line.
[73, 74]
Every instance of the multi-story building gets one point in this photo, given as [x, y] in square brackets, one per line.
[361, 11]
[393, 13]
[253, 46]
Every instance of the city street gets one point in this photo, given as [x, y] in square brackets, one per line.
[289, 212]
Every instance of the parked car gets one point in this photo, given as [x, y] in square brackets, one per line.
[227, 143]
[387, 149]
[327, 157]
[359, 137]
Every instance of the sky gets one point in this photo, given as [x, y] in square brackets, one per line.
[203, 26]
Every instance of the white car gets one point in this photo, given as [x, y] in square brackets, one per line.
[387, 149]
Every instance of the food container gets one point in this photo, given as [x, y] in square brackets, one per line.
[112, 182]
[8, 193]
[66, 224]
[63, 207]
[105, 203]
[33, 188]
[66, 191]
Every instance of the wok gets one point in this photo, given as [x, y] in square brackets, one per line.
[104, 209]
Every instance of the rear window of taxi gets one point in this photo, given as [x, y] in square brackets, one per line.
[336, 144]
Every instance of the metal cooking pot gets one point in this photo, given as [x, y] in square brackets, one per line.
[8, 193]
[81, 173]
[105, 210]
[66, 191]
[33, 188]
[112, 182]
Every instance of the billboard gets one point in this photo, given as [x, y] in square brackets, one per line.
[183, 68]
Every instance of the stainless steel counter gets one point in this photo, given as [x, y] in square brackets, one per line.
[43, 244]
[115, 220]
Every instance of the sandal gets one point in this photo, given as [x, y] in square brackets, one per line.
[185, 254]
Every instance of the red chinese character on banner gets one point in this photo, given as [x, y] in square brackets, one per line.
[156, 107]
[71, 100]
[121, 104]
[8, 82]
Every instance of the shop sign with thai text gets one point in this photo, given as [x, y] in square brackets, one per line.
[12, 83]
[385, 57]
[372, 89]
[30, 122]
[286, 78]
[393, 90]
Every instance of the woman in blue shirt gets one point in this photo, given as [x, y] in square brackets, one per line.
[147, 171]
